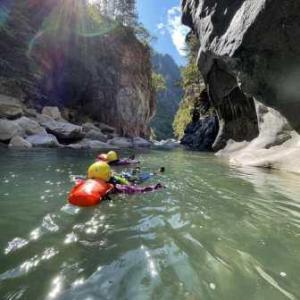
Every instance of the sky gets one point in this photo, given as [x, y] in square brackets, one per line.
[163, 19]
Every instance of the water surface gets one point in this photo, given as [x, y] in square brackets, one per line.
[215, 232]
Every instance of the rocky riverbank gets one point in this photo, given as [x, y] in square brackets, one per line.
[25, 128]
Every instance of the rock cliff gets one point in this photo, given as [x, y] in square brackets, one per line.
[61, 53]
[248, 49]
[249, 57]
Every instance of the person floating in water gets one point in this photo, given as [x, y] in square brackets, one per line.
[102, 171]
[99, 183]
[137, 176]
[112, 158]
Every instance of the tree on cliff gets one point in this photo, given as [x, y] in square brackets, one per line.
[192, 84]
[123, 11]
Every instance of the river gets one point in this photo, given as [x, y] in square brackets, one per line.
[216, 231]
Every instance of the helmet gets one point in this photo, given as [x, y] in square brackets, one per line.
[99, 170]
[112, 156]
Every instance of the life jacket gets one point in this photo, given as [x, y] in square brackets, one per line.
[89, 192]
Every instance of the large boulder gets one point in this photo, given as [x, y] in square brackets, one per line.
[140, 142]
[10, 107]
[121, 142]
[249, 49]
[19, 142]
[91, 144]
[94, 133]
[106, 128]
[43, 140]
[29, 126]
[52, 112]
[63, 130]
[9, 129]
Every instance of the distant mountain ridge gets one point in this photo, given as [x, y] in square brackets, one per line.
[168, 100]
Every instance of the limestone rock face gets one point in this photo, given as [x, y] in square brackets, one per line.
[248, 49]
[10, 107]
[19, 143]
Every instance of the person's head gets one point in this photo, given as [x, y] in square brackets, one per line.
[136, 170]
[162, 169]
[102, 157]
[112, 156]
[99, 170]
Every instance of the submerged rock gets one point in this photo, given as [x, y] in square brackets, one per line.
[10, 107]
[43, 140]
[19, 142]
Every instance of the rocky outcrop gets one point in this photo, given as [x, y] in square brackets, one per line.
[277, 145]
[200, 135]
[249, 49]
[90, 65]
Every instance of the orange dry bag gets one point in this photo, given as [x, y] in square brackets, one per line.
[89, 192]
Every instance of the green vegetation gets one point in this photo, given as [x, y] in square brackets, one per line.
[158, 82]
[168, 94]
[192, 84]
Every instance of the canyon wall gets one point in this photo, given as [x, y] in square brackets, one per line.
[63, 53]
[249, 49]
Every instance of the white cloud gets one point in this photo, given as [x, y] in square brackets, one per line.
[161, 28]
[177, 31]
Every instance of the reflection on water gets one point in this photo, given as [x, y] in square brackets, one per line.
[216, 232]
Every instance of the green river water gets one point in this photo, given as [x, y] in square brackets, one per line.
[215, 232]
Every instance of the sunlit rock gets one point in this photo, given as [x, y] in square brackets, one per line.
[19, 142]
[53, 112]
[43, 140]
[10, 107]
[9, 129]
